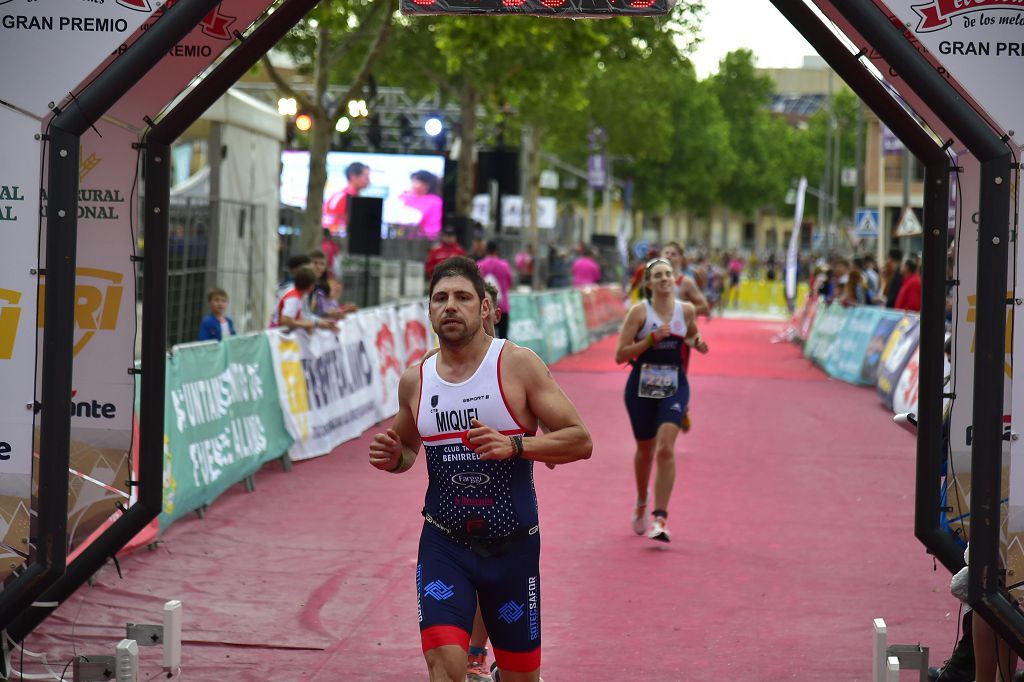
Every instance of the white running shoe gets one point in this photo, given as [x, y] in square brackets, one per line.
[640, 517]
[659, 530]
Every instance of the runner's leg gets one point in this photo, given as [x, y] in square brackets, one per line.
[643, 462]
[447, 602]
[665, 454]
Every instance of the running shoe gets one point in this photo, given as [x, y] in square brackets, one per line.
[659, 530]
[640, 517]
[476, 669]
[687, 424]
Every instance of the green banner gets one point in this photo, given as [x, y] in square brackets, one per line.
[826, 328]
[556, 330]
[222, 421]
[524, 327]
[579, 337]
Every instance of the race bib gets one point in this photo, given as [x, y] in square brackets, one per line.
[658, 381]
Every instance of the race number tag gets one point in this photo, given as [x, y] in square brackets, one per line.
[658, 381]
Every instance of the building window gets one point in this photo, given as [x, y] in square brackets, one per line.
[749, 235]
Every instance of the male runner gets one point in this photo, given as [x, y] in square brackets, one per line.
[476, 405]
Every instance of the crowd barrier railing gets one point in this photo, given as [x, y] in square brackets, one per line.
[235, 405]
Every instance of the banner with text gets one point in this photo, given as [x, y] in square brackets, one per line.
[900, 346]
[846, 358]
[20, 173]
[222, 420]
[327, 386]
[66, 39]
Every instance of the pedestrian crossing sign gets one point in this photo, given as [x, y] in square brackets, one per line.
[866, 223]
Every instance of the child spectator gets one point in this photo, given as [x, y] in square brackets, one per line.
[216, 326]
[293, 310]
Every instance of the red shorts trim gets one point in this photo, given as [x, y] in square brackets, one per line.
[517, 661]
[442, 635]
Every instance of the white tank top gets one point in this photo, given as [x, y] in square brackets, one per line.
[465, 493]
[677, 325]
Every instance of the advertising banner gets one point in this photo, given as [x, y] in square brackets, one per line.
[70, 38]
[222, 420]
[807, 319]
[575, 320]
[414, 325]
[876, 344]
[901, 344]
[380, 325]
[20, 171]
[524, 328]
[552, 316]
[103, 389]
[186, 60]
[327, 386]
[827, 324]
[845, 359]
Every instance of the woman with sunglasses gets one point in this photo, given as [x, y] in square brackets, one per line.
[652, 340]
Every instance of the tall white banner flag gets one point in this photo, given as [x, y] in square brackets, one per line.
[793, 251]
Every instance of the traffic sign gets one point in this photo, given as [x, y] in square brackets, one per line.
[865, 222]
[909, 225]
[640, 248]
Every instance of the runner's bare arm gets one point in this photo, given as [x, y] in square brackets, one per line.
[628, 347]
[692, 293]
[692, 333]
[567, 438]
[396, 449]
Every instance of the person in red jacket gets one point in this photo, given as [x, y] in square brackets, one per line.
[448, 248]
[909, 297]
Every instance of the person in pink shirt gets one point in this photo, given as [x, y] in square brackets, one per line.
[424, 197]
[585, 270]
[498, 272]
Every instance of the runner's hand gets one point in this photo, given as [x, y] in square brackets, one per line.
[702, 346]
[488, 443]
[662, 333]
[385, 450]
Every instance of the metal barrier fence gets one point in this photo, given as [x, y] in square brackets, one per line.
[217, 243]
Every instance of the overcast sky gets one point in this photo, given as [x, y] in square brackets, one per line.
[756, 24]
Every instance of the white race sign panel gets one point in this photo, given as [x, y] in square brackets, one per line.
[20, 166]
[49, 46]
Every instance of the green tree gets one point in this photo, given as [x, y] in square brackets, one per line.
[760, 141]
[338, 42]
[698, 157]
[544, 71]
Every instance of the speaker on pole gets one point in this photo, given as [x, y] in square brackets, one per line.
[363, 225]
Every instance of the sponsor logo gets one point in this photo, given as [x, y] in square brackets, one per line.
[477, 397]
[972, 316]
[939, 14]
[385, 344]
[676, 407]
[1007, 430]
[471, 479]
[439, 591]
[533, 598]
[97, 304]
[433, 401]
[510, 612]
[9, 193]
[137, 5]
[214, 24]
[10, 315]
[5, 451]
[92, 409]
[475, 525]
[415, 335]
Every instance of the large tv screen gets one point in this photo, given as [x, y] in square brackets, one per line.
[409, 184]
